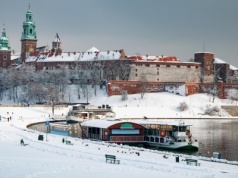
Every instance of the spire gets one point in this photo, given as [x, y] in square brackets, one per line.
[4, 31]
[4, 43]
[57, 38]
[29, 26]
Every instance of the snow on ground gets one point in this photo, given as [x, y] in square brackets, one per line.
[86, 158]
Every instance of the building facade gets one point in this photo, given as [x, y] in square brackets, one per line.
[165, 71]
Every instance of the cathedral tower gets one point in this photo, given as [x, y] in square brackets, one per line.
[5, 50]
[56, 45]
[28, 38]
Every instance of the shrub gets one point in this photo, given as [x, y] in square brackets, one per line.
[183, 106]
[124, 95]
[212, 111]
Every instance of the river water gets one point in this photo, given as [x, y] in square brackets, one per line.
[216, 135]
[213, 135]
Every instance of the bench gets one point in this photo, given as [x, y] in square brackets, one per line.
[192, 162]
[22, 143]
[112, 159]
[67, 142]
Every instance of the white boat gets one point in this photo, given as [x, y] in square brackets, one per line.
[168, 134]
[161, 134]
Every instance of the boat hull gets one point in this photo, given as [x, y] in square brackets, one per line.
[176, 145]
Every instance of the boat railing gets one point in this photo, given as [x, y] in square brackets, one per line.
[127, 138]
[94, 136]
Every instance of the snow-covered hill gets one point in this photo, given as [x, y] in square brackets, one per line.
[153, 105]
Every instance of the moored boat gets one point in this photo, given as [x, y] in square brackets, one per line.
[169, 134]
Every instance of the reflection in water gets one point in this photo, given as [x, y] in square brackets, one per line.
[213, 135]
[59, 128]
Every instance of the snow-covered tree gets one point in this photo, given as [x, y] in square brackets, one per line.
[143, 85]
[232, 94]
[124, 95]
[53, 96]
[124, 69]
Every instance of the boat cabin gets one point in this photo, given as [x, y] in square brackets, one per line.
[115, 131]
[162, 132]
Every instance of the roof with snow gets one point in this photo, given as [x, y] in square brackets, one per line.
[233, 67]
[109, 122]
[154, 58]
[219, 61]
[76, 56]
[100, 123]
[93, 49]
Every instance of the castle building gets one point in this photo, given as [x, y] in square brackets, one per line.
[214, 68]
[28, 38]
[5, 50]
[163, 69]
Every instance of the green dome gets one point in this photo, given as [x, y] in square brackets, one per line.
[4, 41]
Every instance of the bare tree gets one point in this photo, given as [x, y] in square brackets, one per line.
[3, 82]
[232, 94]
[39, 92]
[143, 85]
[214, 91]
[124, 69]
[201, 75]
[232, 76]
[124, 95]
[53, 97]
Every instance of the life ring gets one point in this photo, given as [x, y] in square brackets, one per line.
[162, 133]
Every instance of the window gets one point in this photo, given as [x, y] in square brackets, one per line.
[167, 65]
[158, 73]
[178, 66]
[147, 65]
[5, 57]
[157, 65]
[4, 64]
[188, 66]
[136, 75]
[30, 31]
[136, 70]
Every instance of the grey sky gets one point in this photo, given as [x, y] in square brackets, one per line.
[153, 27]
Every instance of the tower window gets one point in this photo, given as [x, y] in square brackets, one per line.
[30, 31]
[4, 63]
[5, 57]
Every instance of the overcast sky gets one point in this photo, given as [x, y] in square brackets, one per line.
[154, 27]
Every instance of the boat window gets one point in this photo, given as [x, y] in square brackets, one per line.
[169, 127]
[156, 139]
[152, 139]
[182, 128]
[161, 140]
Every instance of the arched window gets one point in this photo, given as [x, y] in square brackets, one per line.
[30, 31]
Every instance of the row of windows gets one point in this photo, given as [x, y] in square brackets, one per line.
[178, 66]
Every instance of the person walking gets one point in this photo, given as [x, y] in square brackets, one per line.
[8, 119]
